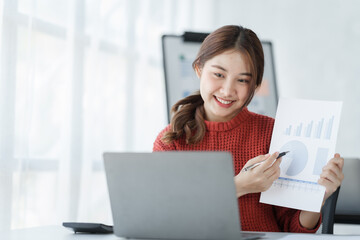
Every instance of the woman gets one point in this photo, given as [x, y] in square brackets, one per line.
[230, 66]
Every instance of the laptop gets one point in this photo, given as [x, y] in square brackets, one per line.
[173, 195]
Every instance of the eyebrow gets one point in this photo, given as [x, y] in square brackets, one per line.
[220, 67]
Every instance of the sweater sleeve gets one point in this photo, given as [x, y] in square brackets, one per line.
[289, 220]
[160, 146]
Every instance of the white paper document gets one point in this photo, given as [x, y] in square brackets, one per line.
[308, 130]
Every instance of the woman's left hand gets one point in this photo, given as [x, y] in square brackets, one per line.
[331, 178]
[332, 175]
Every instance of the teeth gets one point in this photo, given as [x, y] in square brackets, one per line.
[223, 101]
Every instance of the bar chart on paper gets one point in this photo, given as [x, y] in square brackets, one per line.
[308, 130]
[311, 130]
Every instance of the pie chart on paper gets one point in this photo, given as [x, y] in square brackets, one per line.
[295, 161]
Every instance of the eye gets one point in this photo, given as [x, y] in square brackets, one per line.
[219, 75]
[243, 81]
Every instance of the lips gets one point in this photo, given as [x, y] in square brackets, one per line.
[223, 102]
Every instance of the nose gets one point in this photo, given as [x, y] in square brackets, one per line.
[227, 88]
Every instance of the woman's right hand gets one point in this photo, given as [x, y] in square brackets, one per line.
[260, 178]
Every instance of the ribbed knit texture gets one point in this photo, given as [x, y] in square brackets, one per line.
[245, 136]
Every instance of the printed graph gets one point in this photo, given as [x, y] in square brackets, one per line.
[308, 130]
[312, 129]
[304, 186]
[321, 159]
[295, 161]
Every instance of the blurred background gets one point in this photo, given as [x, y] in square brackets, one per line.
[80, 77]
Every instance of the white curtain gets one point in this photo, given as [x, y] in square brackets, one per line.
[77, 78]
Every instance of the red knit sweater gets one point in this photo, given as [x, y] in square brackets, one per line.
[246, 136]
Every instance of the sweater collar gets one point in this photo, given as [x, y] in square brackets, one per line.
[223, 126]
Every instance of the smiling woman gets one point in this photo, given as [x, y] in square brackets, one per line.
[237, 56]
[224, 90]
[230, 65]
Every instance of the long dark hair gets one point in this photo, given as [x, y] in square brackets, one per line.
[188, 113]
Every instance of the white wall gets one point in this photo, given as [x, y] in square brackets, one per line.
[317, 49]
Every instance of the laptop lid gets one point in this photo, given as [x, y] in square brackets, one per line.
[173, 195]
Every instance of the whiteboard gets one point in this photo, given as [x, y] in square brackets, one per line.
[179, 51]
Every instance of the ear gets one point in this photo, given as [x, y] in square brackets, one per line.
[198, 71]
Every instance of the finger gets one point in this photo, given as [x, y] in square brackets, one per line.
[331, 176]
[331, 166]
[268, 162]
[330, 182]
[277, 162]
[334, 167]
[275, 175]
[330, 187]
[338, 160]
[274, 168]
[269, 172]
[257, 159]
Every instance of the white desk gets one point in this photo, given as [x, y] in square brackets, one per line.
[353, 229]
[61, 233]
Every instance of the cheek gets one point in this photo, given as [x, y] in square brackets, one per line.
[244, 93]
[204, 91]
[208, 84]
[204, 85]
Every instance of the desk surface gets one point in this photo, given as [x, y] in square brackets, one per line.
[61, 233]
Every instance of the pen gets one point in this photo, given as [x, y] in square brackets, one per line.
[257, 164]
